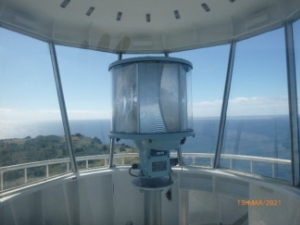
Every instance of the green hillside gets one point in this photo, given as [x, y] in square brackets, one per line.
[25, 150]
[18, 151]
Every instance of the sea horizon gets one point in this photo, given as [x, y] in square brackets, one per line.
[260, 130]
[260, 136]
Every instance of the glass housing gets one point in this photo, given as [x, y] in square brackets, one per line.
[150, 95]
[30, 112]
[32, 137]
[89, 118]
[209, 74]
[257, 123]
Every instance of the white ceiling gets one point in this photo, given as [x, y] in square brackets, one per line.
[226, 21]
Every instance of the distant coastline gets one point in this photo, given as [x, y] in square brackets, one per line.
[256, 133]
[253, 136]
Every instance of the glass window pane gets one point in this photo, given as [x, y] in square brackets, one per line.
[257, 122]
[30, 121]
[208, 80]
[296, 31]
[87, 90]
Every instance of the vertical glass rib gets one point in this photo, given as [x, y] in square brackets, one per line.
[293, 109]
[225, 104]
[62, 107]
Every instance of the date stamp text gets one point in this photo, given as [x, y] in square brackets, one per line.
[259, 202]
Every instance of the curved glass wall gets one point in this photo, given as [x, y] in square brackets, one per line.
[296, 31]
[208, 80]
[83, 75]
[86, 83]
[257, 135]
[31, 129]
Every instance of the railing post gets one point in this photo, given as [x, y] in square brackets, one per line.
[25, 175]
[225, 104]
[1, 185]
[111, 152]
[47, 170]
[251, 166]
[62, 106]
[193, 161]
[293, 103]
[123, 160]
[68, 166]
[179, 155]
[273, 170]
[87, 164]
[230, 163]
[211, 161]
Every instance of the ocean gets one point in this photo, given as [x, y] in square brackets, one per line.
[257, 136]
[253, 136]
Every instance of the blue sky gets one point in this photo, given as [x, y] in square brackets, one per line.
[28, 91]
[259, 84]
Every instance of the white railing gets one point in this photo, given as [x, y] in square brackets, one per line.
[251, 159]
[86, 159]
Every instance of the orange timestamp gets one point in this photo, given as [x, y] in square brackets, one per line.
[259, 202]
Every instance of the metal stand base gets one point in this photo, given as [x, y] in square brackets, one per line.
[153, 184]
[152, 197]
[152, 207]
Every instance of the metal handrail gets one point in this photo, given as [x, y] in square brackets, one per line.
[123, 156]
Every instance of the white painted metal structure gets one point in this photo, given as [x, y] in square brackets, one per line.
[108, 197]
[201, 196]
[133, 26]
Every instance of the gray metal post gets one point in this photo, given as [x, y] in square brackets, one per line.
[179, 155]
[120, 56]
[25, 175]
[293, 105]
[1, 182]
[63, 107]
[225, 103]
[152, 207]
[111, 152]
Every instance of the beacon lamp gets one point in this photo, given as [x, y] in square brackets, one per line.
[152, 106]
